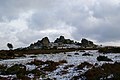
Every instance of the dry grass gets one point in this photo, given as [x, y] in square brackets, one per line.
[104, 71]
[85, 64]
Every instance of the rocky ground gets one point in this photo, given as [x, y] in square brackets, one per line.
[78, 65]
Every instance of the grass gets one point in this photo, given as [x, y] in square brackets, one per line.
[9, 54]
[22, 73]
[109, 50]
[104, 71]
[84, 64]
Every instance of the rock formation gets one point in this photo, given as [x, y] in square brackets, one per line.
[41, 44]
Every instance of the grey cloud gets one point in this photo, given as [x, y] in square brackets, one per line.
[98, 20]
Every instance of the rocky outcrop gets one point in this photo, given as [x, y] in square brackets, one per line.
[62, 40]
[45, 42]
[10, 46]
[87, 43]
[41, 44]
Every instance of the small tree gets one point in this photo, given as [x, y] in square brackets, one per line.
[10, 46]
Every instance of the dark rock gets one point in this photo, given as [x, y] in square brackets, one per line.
[10, 46]
[41, 44]
[76, 53]
[62, 40]
[45, 42]
[86, 43]
[69, 55]
[103, 58]
[87, 54]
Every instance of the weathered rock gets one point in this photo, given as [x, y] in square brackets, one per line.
[87, 43]
[41, 44]
[103, 58]
[45, 42]
[87, 54]
[62, 40]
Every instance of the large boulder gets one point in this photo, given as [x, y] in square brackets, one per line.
[103, 58]
[62, 40]
[10, 46]
[45, 42]
[87, 43]
[41, 44]
[36, 45]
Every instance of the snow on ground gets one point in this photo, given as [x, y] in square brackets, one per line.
[70, 57]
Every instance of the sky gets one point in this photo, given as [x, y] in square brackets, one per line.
[25, 21]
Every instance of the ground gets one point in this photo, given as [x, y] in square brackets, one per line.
[60, 66]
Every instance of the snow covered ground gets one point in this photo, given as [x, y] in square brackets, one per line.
[72, 58]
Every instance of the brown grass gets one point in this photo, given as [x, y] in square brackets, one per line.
[84, 64]
[104, 71]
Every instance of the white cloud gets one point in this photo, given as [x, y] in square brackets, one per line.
[23, 22]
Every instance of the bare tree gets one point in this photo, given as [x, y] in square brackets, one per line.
[10, 46]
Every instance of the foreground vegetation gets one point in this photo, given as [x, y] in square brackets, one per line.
[21, 72]
[107, 71]
[109, 50]
[10, 54]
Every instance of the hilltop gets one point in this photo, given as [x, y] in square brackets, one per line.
[60, 43]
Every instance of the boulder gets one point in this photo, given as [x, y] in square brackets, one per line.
[103, 58]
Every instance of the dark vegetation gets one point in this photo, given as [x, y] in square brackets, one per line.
[83, 65]
[42, 68]
[44, 46]
[4, 54]
[10, 54]
[68, 66]
[22, 73]
[99, 73]
[104, 71]
[109, 50]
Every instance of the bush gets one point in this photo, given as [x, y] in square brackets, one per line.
[109, 50]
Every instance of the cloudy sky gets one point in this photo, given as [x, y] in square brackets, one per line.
[25, 21]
